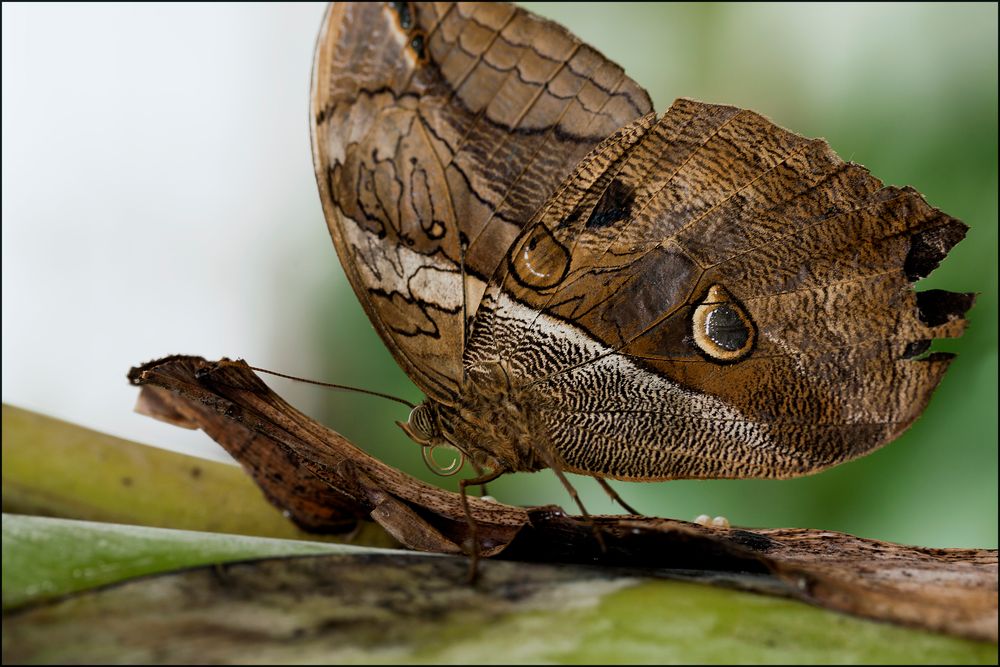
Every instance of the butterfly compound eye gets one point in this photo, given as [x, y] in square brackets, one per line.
[721, 327]
[421, 424]
[539, 262]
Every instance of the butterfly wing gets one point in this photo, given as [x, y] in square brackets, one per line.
[438, 131]
[710, 295]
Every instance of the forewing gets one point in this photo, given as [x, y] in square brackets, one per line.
[438, 131]
[806, 263]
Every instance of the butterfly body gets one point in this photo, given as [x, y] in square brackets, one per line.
[579, 283]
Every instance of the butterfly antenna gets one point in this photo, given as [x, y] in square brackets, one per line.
[331, 385]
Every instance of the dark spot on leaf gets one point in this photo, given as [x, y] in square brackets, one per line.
[126, 481]
[936, 307]
[929, 247]
[195, 472]
[614, 205]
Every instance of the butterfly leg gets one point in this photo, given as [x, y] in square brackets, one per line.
[579, 503]
[614, 495]
[552, 461]
[480, 472]
[463, 486]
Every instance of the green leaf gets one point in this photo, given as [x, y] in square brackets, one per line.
[44, 558]
[54, 468]
[352, 605]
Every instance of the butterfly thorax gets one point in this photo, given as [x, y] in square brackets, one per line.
[491, 423]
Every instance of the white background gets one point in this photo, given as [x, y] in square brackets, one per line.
[158, 198]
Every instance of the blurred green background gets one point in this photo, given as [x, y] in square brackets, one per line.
[908, 90]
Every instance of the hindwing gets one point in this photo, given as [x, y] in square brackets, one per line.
[710, 295]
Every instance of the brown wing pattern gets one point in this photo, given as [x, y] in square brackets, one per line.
[438, 130]
[814, 257]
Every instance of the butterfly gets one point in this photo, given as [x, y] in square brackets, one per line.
[579, 283]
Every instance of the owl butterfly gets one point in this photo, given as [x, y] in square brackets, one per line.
[578, 283]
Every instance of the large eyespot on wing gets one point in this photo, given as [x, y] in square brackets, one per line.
[752, 316]
[538, 260]
[721, 327]
[438, 130]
